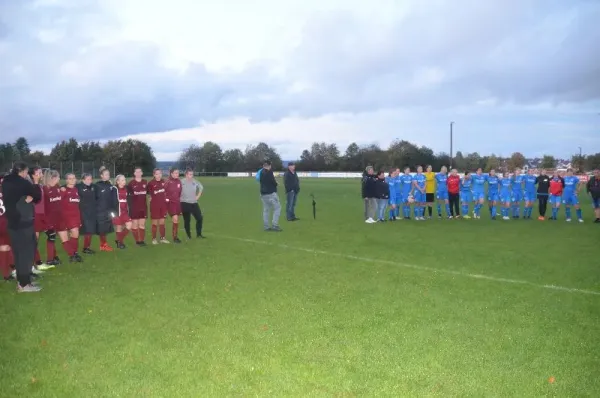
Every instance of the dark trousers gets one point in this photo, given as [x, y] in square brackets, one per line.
[23, 244]
[543, 204]
[454, 200]
[188, 210]
[290, 205]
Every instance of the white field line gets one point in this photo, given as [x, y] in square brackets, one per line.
[416, 267]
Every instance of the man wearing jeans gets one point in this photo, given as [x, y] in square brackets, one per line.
[292, 187]
[270, 200]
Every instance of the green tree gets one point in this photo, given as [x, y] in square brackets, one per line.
[473, 161]
[578, 163]
[256, 155]
[91, 151]
[233, 160]
[129, 154]
[21, 148]
[493, 163]
[351, 161]
[459, 162]
[548, 162]
[516, 161]
[66, 151]
[592, 162]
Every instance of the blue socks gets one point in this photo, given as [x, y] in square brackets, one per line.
[579, 214]
[465, 209]
[568, 212]
[554, 212]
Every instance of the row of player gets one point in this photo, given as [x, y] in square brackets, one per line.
[87, 208]
[397, 190]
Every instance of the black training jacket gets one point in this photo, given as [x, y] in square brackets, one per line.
[291, 182]
[382, 189]
[18, 212]
[593, 187]
[543, 184]
[268, 184]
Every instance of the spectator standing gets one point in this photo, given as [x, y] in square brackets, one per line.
[369, 194]
[292, 188]
[270, 200]
[382, 189]
[87, 209]
[593, 188]
[19, 196]
[453, 183]
[191, 191]
[543, 187]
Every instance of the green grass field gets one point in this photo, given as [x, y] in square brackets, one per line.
[332, 307]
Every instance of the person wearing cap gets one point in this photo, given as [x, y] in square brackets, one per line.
[292, 187]
[270, 199]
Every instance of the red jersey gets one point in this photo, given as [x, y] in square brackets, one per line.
[453, 183]
[70, 202]
[556, 187]
[158, 199]
[138, 192]
[173, 190]
[52, 206]
[122, 198]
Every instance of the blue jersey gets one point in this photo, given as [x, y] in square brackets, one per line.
[398, 186]
[479, 183]
[530, 181]
[392, 182]
[406, 184]
[517, 183]
[492, 184]
[420, 179]
[506, 186]
[441, 182]
[466, 184]
[571, 183]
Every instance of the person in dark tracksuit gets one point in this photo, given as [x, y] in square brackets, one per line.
[382, 194]
[87, 208]
[292, 187]
[191, 191]
[19, 196]
[593, 188]
[104, 207]
[543, 190]
[369, 195]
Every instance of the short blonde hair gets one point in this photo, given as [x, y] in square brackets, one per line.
[118, 177]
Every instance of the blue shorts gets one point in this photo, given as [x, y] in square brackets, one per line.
[506, 198]
[442, 195]
[554, 200]
[404, 197]
[517, 196]
[493, 197]
[466, 196]
[570, 199]
[530, 196]
[596, 203]
[478, 196]
[420, 197]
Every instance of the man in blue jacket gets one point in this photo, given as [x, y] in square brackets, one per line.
[269, 197]
[292, 187]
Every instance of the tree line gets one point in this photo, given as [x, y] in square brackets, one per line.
[322, 156]
[123, 155]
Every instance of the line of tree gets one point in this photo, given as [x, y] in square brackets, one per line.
[122, 155]
[327, 157]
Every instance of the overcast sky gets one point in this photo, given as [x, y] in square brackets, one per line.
[515, 75]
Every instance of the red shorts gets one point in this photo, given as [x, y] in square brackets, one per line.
[68, 223]
[4, 238]
[121, 220]
[174, 208]
[39, 223]
[138, 214]
[159, 211]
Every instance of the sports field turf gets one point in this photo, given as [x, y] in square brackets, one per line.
[332, 307]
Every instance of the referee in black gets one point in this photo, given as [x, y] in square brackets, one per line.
[543, 188]
[19, 196]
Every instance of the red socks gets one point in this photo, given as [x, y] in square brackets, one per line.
[121, 235]
[68, 246]
[154, 228]
[87, 241]
[50, 250]
[141, 234]
[74, 244]
[102, 240]
[175, 229]
[134, 232]
[5, 264]
[163, 230]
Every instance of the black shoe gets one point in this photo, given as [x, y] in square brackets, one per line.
[276, 229]
[121, 246]
[597, 221]
[78, 258]
[87, 250]
[38, 263]
[141, 244]
[200, 236]
[295, 219]
[9, 278]
[53, 263]
[268, 229]
[176, 240]
[57, 260]
[407, 218]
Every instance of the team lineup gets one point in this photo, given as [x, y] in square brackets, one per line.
[509, 196]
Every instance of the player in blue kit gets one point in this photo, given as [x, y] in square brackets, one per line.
[479, 180]
[517, 193]
[530, 193]
[506, 195]
[466, 195]
[570, 195]
[392, 181]
[493, 194]
[441, 191]
[419, 181]
[398, 194]
[406, 186]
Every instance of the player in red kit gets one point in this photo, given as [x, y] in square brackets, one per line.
[139, 207]
[53, 213]
[158, 206]
[173, 191]
[35, 174]
[5, 259]
[68, 228]
[120, 216]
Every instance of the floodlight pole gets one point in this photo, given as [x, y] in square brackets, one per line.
[451, 143]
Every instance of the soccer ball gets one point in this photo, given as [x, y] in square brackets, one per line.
[411, 199]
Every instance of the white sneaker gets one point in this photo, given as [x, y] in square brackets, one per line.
[581, 220]
[36, 271]
[31, 288]
[505, 218]
[154, 242]
[163, 240]
[568, 220]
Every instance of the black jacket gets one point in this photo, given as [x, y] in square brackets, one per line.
[87, 208]
[291, 182]
[105, 204]
[268, 185]
[369, 189]
[543, 184]
[19, 213]
[593, 187]
[382, 189]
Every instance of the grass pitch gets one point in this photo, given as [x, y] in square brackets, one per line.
[329, 307]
